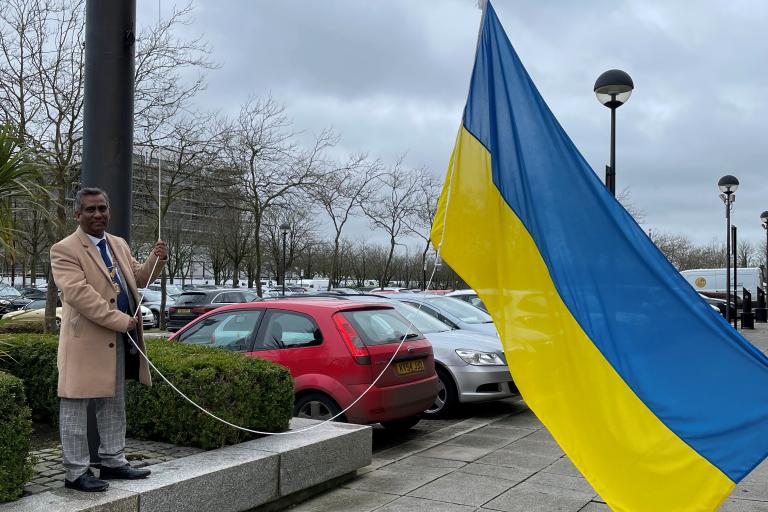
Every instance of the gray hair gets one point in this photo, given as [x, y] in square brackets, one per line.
[88, 191]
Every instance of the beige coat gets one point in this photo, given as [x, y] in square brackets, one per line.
[87, 356]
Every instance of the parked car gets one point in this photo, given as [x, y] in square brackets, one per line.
[468, 296]
[389, 290]
[9, 294]
[345, 291]
[151, 299]
[172, 290]
[454, 312]
[470, 366]
[34, 315]
[334, 350]
[718, 304]
[193, 303]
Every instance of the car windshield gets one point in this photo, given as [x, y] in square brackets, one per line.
[381, 326]
[9, 291]
[35, 304]
[151, 295]
[460, 309]
[190, 299]
[422, 321]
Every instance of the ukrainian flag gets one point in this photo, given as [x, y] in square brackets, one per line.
[654, 397]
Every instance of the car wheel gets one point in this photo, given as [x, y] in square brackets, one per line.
[401, 424]
[316, 406]
[446, 395]
[58, 323]
[155, 319]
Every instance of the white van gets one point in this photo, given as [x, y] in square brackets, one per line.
[713, 280]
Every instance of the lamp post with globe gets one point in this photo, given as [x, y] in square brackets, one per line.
[728, 185]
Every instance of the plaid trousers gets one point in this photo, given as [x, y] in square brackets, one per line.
[110, 417]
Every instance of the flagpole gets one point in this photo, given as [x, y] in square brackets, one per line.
[159, 182]
[483, 6]
[159, 165]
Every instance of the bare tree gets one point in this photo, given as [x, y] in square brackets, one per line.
[169, 72]
[420, 221]
[745, 254]
[302, 228]
[340, 194]
[216, 256]
[625, 198]
[394, 203]
[265, 164]
[42, 71]
[238, 235]
[180, 248]
[32, 238]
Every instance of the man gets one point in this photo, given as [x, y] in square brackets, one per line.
[98, 279]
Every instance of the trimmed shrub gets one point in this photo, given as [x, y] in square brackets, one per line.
[32, 358]
[15, 430]
[250, 392]
[246, 391]
[21, 328]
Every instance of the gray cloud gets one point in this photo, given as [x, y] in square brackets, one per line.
[391, 77]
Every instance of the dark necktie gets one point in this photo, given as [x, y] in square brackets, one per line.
[122, 297]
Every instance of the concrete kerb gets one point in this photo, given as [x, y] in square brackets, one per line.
[231, 479]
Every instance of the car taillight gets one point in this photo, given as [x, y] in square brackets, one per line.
[352, 340]
[171, 310]
[200, 311]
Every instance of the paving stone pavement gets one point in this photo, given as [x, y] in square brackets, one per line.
[506, 463]
[49, 471]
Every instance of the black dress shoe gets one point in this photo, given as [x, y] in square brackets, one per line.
[87, 483]
[123, 473]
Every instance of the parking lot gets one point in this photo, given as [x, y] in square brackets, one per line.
[494, 456]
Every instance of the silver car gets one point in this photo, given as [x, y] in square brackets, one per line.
[454, 312]
[470, 366]
[468, 296]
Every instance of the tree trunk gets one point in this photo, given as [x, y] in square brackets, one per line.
[384, 276]
[333, 281]
[163, 291]
[424, 267]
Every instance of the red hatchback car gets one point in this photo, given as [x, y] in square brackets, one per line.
[334, 350]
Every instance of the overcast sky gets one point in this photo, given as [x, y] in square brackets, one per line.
[391, 77]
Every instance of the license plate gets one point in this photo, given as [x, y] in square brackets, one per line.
[183, 310]
[406, 367]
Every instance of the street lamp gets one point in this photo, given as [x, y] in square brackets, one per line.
[764, 218]
[613, 89]
[284, 227]
[728, 185]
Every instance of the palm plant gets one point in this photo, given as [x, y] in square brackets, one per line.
[16, 180]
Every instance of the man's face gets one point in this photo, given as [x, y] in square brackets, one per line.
[93, 216]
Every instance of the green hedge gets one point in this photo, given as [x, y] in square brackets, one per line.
[32, 358]
[15, 430]
[246, 391]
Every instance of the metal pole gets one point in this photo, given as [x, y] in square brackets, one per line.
[612, 182]
[110, 29]
[284, 236]
[735, 278]
[728, 257]
[108, 105]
